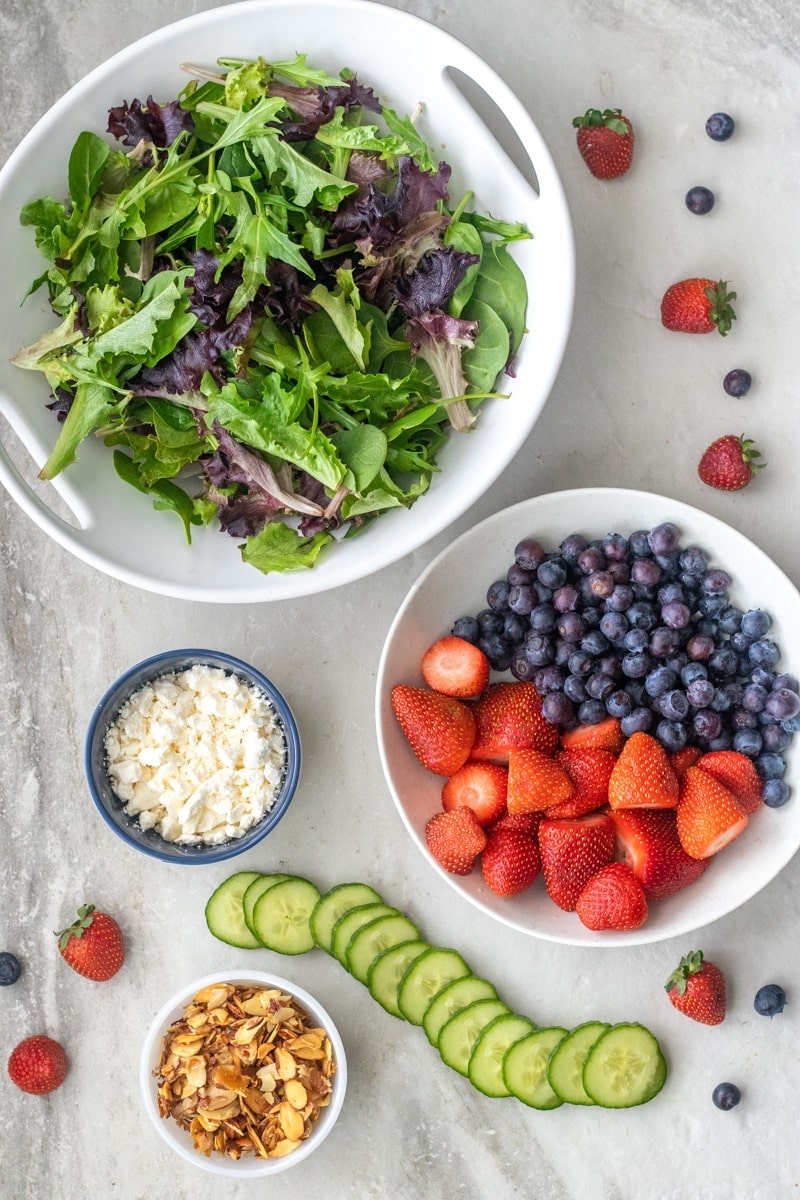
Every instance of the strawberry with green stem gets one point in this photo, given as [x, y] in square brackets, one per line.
[698, 306]
[605, 141]
[729, 463]
[697, 989]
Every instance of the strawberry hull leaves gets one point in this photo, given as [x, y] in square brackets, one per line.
[260, 306]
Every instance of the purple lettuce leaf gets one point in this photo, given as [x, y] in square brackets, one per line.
[210, 296]
[439, 339]
[160, 124]
[433, 281]
[199, 351]
[378, 217]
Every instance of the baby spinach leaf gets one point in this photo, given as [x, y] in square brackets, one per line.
[87, 162]
[166, 495]
[363, 452]
[485, 361]
[501, 284]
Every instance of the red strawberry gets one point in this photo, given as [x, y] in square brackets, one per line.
[535, 781]
[605, 735]
[455, 839]
[38, 1065]
[605, 141]
[612, 899]
[527, 822]
[572, 851]
[728, 464]
[93, 945]
[509, 716]
[510, 862]
[642, 776]
[455, 667]
[738, 774]
[681, 760]
[697, 989]
[649, 843]
[708, 815]
[481, 786]
[698, 306]
[439, 729]
[589, 771]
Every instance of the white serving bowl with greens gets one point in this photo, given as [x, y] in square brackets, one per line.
[221, 397]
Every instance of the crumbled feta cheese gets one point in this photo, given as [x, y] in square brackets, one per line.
[198, 755]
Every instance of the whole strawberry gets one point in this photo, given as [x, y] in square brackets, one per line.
[697, 989]
[605, 141]
[510, 862]
[455, 839]
[698, 306]
[93, 944]
[38, 1065]
[729, 463]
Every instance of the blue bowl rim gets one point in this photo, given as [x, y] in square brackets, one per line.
[161, 664]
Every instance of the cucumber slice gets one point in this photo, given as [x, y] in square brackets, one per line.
[461, 1032]
[385, 973]
[485, 1067]
[565, 1069]
[425, 978]
[371, 940]
[334, 904]
[451, 999]
[224, 915]
[525, 1067]
[281, 915]
[624, 1067]
[352, 921]
[256, 889]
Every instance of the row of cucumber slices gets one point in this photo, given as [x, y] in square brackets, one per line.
[499, 1051]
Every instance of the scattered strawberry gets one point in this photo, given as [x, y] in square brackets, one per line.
[681, 760]
[439, 729]
[589, 771]
[697, 989]
[38, 1065]
[535, 781]
[455, 839]
[728, 464]
[605, 141]
[523, 822]
[708, 815]
[455, 667]
[510, 862]
[738, 774]
[642, 776]
[572, 851]
[605, 735]
[698, 306]
[481, 786]
[612, 899]
[509, 716]
[93, 945]
[648, 841]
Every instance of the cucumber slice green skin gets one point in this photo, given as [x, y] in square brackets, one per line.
[459, 1035]
[372, 939]
[565, 1068]
[353, 920]
[425, 978]
[388, 969]
[525, 1067]
[334, 904]
[625, 1067]
[281, 916]
[253, 892]
[485, 1067]
[224, 914]
[451, 999]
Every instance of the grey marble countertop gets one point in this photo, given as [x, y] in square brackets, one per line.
[632, 406]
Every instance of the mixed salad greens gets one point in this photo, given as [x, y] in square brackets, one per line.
[268, 305]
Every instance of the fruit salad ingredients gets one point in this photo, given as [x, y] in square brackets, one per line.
[439, 729]
[737, 382]
[708, 816]
[642, 776]
[726, 1096]
[455, 839]
[455, 667]
[700, 200]
[770, 1000]
[697, 989]
[93, 945]
[698, 305]
[729, 463]
[605, 139]
[245, 1071]
[38, 1065]
[10, 968]
[720, 126]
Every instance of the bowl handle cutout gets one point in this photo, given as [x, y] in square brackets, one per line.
[60, 507]
[497, 122]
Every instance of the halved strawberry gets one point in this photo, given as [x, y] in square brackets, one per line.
[455, 667]
[681, 760]
[481, 786]
[455, 839]
[508, 716]
[708, 815]
[510, 862]
[605, 735]
[535, 781]
[612, 899]
[642, 776]
[648, 841]
[439, 729]
[589, 771]
[738, 774]
[572, 851]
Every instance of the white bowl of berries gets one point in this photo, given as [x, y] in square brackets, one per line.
[589, 737]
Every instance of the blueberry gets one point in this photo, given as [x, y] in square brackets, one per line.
[675, 614]
[755, 622]
[707, 724]
[770, 1000]
[614, 626]
[566, 598]
[693, 671]
[619, 704]
[570, 627]
[591, 559]
[497, 650]
[700, 200]
[700, 692]
[636, 640]
[557, 709]
[766, 679]
[660, 680]
[539, 649]
[572, 546]
[700, 647]
[595, 642]
[763, 653]
[723, 742]
[528, 554]
[575, 689]
[601, 584]
[771, 765]
[521, 666]
[716, 582]
[754, 698]
[783, 680]
[642, 615]
[619, 570]
[737, 382]
[552, 573]
[10, 969]
[599, 686]
[720, 126]
[782, 704]
[639, 544]
[543, 618]
[549, 679]
[672, 735]
[514, 629]
[664, 641]
[723, 662]
[466, 628]
[674, 705]
[726, 1095]
[730, 619]
[775, 738]
[636, 665]
[497, 595]
[563, 650]
[489, 622]
[694, 562]
[592, 712]
[775, 793]
[740, 718]
[620, 599]
[521, 599]
[639, 720]
[646, 572]
[747, 741]
[663, 539]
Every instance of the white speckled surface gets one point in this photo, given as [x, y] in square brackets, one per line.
[633, 406]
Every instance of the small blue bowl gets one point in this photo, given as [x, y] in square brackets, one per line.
[111, 808]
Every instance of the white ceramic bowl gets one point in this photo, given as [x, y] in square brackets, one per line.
[455, 584]
[247, 1167]
[407, 61]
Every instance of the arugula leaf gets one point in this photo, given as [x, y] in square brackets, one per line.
[302, 177]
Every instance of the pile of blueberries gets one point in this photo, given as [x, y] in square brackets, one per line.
[642, 629]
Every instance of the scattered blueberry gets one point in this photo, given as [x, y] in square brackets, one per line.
[775, 793]
[720, 126]
[737, 382]
[700, 200]
[770, 1000]
[726, 1096]
[10, 970]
